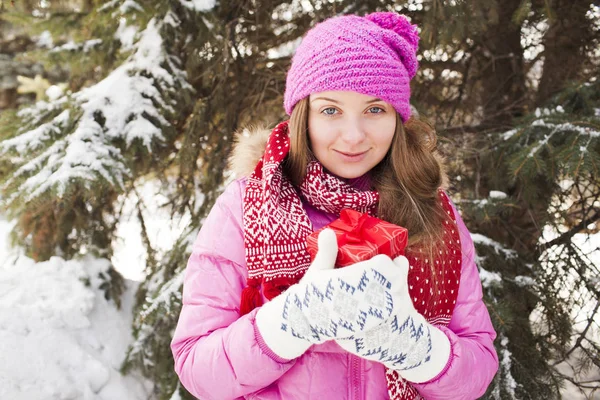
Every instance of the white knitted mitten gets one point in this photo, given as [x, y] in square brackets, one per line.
[330, 303]
[406, 342]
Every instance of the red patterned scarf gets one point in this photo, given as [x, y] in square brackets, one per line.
[276, 227]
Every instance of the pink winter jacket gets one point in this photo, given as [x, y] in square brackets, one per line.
[220, 355]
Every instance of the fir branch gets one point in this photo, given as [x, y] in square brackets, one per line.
[169, 288]
[151, 253]
[567, 236]
[590, 321]
[581, 384]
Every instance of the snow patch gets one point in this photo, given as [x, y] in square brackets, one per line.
[171, 19]
[126, 34]
[35, 138]
[510, 385]
[496, 194]
[507, 135]
[130, 5]
[54, 92]
[488, 278]
[72, 46]
[523, 281]
[45, 40]
[498, 248]
[108, 4]
[59, 337]
[199, 5]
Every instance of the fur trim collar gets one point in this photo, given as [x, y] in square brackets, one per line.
[248, 147]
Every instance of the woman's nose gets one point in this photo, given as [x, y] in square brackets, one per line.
[353, 133]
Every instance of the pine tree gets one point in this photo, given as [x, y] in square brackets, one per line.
[509, 213]
[550, 157]
[71, 156]
[511, 192]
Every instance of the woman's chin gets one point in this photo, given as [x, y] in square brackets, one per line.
[349, 172]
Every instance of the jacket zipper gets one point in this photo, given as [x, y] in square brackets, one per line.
[356, 377]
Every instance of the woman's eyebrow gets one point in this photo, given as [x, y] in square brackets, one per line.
[337, 102]
[326, 99]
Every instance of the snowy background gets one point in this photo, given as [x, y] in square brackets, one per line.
[60, 338]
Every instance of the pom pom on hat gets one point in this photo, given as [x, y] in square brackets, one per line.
[400, 25]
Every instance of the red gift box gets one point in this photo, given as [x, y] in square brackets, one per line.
[361, 237]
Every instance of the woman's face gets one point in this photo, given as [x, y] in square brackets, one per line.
[349, 132]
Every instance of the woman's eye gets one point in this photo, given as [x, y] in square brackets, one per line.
[376, 110]
[329, 111]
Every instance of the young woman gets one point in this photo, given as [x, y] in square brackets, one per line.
[260, 320]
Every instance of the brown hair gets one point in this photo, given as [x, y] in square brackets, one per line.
[407, 179]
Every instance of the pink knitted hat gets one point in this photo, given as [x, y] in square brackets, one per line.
[373, 55]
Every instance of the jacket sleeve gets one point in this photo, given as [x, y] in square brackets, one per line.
[473, 361]
[217, 353]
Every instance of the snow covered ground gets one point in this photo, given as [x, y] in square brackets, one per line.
[59, 338]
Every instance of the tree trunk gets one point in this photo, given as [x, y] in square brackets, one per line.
[502, 69]
[568, 34]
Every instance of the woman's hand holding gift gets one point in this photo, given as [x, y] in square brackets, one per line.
[406, 342]
[331, 303]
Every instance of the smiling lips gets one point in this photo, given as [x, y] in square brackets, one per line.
[351, 154]
[352, 157]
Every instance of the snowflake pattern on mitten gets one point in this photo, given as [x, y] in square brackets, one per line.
[399, 344]
[338, 307]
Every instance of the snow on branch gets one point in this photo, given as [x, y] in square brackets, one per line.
[567, 127]
[171, 288]
[489, 279]
[508, 382]
[498, 248]
[80, 142]
[72, 46]
[198, 5]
